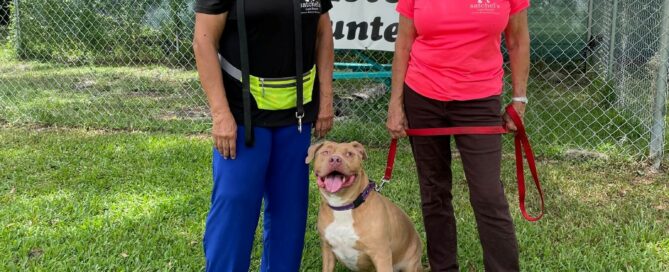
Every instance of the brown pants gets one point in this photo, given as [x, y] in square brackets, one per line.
[481, 157]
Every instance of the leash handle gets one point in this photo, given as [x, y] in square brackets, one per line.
[299, 78]
[246, 73]
[522, 143]
[390, 163]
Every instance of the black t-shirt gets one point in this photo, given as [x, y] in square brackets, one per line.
[270, 32]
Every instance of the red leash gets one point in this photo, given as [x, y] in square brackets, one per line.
[522, 143]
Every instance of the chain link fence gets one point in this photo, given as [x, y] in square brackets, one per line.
[596, 80]
[626, 37]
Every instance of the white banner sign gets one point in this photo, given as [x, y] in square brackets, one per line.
[364, 24]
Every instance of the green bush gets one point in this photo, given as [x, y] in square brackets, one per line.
[107, 32]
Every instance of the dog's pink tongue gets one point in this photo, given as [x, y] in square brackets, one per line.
[334, 183]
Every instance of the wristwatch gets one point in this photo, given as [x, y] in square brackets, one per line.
[521, 99]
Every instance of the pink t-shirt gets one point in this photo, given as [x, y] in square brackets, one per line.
[457, 52]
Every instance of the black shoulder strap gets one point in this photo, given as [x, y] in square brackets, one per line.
[298, 58]
[246, 72]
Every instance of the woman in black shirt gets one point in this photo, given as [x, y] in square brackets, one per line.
[261, 140]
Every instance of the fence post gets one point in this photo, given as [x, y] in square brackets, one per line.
[660, 110]
[588, 40]
[175, 28]
[590, 11]
[17, 28]
[612, 39]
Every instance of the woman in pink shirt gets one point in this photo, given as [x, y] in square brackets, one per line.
[447, 71]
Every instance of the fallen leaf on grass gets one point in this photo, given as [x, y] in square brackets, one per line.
[35, 253]
[12, 191]
[661, 207]
[124, 255]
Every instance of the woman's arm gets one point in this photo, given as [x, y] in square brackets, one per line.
[396, 123]
[518, 43]
[325, 66]
[208, 31]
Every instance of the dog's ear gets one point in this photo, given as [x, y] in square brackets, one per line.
[360, 148]
[312, 152]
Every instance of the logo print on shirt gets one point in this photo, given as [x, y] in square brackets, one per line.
[310, 6]
[485, 7]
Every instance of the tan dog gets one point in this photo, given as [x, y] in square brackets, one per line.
[362, 235]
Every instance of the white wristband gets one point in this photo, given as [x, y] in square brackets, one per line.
[522, 99]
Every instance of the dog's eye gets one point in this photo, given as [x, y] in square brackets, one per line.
[349, 154]
[325, 152]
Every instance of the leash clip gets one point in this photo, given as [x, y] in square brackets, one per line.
[299, 117]
[379, 186]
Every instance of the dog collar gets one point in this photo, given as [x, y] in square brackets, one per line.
[358, 200]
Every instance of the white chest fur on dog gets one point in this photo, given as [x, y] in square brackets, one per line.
[342, 238]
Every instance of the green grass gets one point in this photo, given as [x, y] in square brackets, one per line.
[130, 98]
[77, 200]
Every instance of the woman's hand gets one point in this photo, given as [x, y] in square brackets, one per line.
[224, 134]
[520, 109]
[397, 120]
[325, 117]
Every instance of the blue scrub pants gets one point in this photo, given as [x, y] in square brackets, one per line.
[272, 170]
